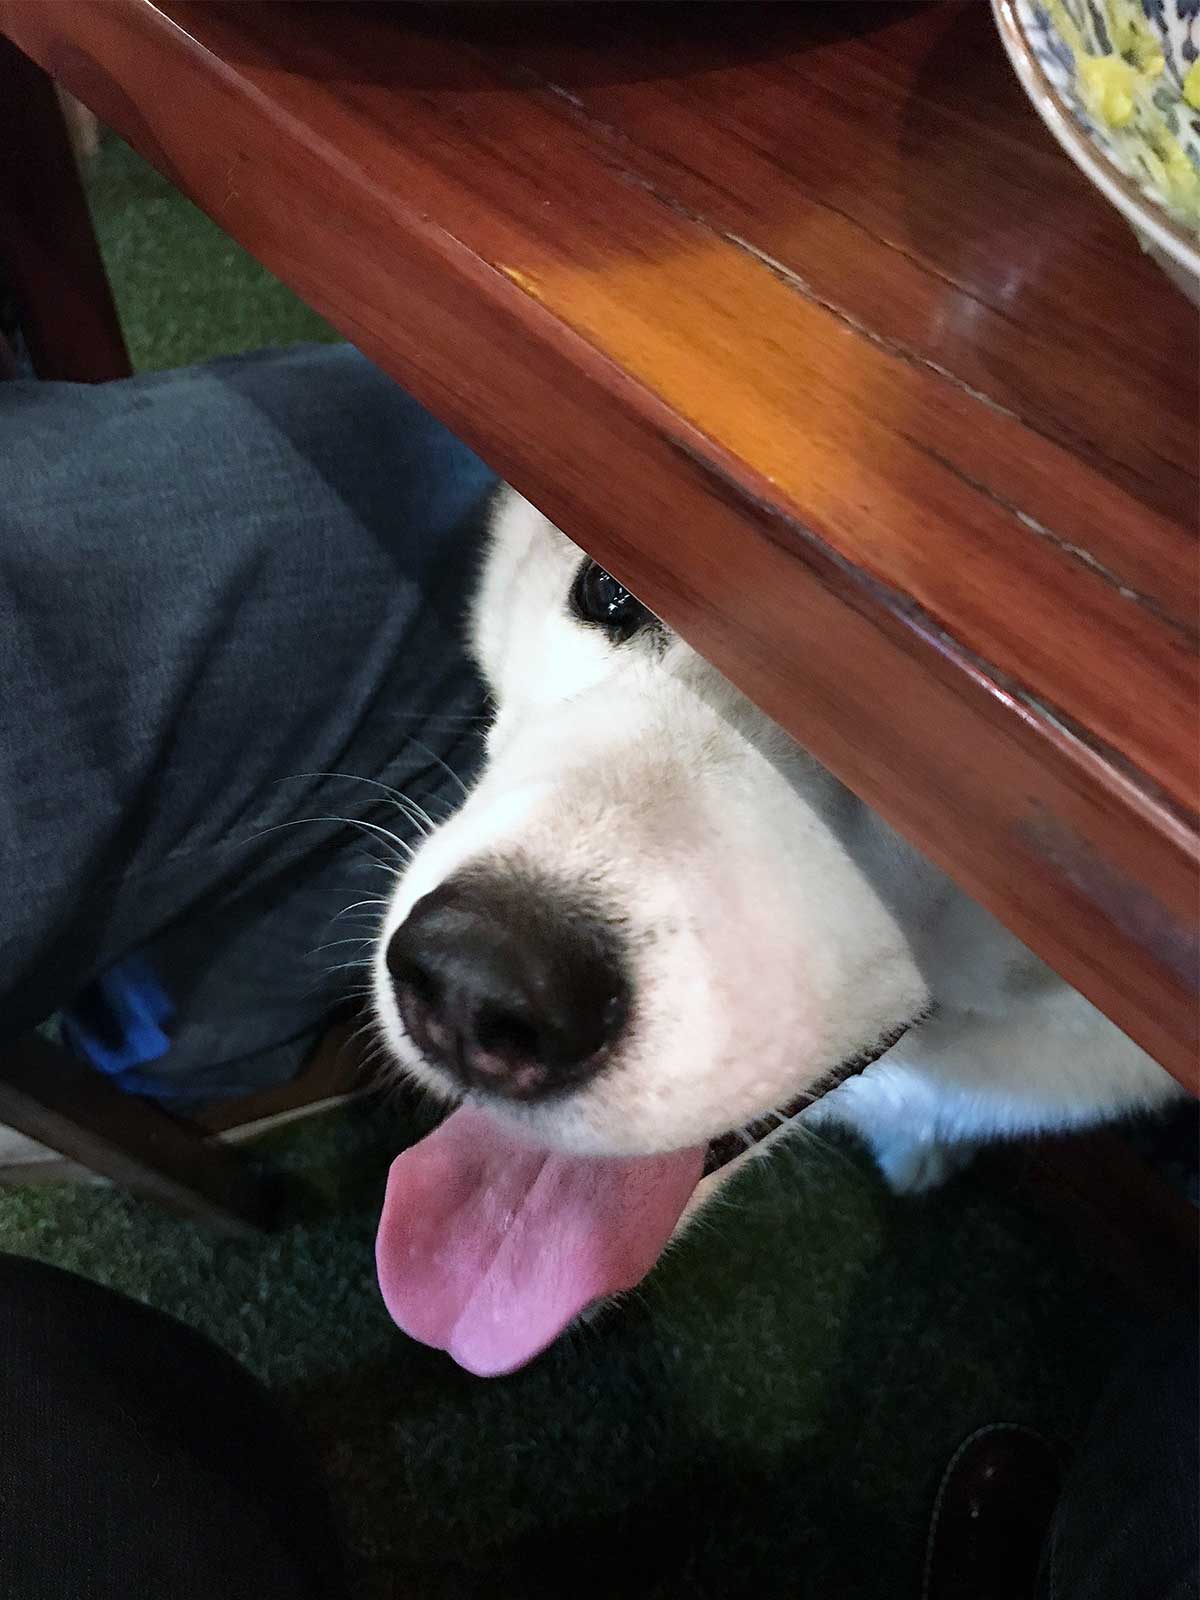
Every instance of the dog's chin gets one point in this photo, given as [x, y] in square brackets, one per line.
[600, 1124]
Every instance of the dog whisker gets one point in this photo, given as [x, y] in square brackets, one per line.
[368, 1025]
[373, 900]
[445, 766]
[355, 938]
[411, 808]
[404, 850]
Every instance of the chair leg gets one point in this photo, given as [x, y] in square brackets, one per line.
[48, 247]
[49, 1096]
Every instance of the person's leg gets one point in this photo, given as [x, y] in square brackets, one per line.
[1126, 1525]
[138, 1459]
[1122, 1525]
[217, 585]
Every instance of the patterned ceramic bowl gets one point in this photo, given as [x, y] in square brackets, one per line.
[1117, 82]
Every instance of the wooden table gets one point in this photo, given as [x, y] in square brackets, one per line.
[796, 318]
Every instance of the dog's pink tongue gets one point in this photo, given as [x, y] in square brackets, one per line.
[488, 1248]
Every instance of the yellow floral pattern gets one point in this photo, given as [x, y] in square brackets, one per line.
[1130, 73]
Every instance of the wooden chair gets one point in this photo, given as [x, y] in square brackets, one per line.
[49, 1096]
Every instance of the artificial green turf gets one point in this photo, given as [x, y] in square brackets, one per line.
[184, 290]
[768, 1416]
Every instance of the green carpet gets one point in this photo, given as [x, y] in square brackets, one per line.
[768, 1416]
[184, 290]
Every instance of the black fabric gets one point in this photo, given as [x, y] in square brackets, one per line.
[139, 1462]
[1127, 1526]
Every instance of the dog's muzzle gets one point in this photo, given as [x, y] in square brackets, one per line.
[516, 993]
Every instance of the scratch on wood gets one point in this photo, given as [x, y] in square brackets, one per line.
[580, 112]
[1067, 546]
[795, 537]
[523, 280]
[789, 276]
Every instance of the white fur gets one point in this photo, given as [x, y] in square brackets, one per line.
[779, 926]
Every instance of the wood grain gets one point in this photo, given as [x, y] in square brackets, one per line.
[61, 1102]
[796, 319]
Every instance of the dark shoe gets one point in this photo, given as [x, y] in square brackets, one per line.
[991, 1515]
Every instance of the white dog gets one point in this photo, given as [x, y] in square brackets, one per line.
[656, 920]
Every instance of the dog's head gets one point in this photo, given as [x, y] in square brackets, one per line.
[654, 920]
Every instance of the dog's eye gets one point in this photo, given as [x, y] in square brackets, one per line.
[598, 598]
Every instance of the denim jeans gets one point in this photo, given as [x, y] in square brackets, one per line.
[219, 587]
[1127, 1526]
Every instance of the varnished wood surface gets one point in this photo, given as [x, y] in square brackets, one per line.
[796, 318]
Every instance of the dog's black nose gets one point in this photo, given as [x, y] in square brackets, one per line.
[508, 986]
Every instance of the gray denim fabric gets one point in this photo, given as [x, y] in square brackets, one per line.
[215, 583]
[1127, 1525]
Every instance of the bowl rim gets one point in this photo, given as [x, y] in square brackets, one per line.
[1133, 203]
